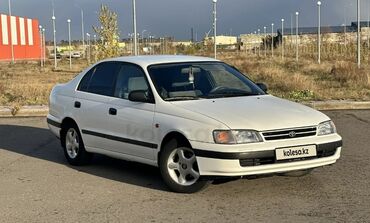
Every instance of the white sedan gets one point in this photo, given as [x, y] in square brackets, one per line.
[195, 118]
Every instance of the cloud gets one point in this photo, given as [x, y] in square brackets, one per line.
[176, 17]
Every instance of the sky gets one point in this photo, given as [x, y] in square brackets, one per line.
[177, 17]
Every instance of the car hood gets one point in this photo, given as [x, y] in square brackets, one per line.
[259, 113]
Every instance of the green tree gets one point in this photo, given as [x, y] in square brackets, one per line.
[108, 33]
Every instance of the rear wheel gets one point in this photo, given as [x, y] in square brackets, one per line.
[73, 146]
[179, 170]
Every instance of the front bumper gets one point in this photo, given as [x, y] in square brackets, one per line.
[256, 159]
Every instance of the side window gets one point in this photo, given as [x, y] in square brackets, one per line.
[103, 78]
[84, 83]
[130, 78]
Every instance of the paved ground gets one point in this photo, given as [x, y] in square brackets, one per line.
[36, 185]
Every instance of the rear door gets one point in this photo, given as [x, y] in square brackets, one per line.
[92, 104]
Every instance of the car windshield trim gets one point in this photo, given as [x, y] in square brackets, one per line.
[182, 98]
[170, 81]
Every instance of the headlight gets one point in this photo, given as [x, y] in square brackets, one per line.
[326, 128]
[236, 136]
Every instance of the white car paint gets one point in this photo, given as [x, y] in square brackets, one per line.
[196, 120]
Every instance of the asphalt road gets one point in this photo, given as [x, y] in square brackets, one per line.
[37, 185]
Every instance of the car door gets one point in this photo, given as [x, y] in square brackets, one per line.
[91, 105]
[132, 122]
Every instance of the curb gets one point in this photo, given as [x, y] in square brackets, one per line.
[42, 111]
[25, 111]
[338, 105]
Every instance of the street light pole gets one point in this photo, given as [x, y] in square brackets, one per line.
[368, 26]
[296, 35]
[319, 33]
[55, 43]
[69, 41]
[259, 45]
[143, 40]
[282, 38]
[134, 25]
[215, 27]
[291, 30]
[264, 41]
[358, 35]
[11, 34]
[272, 39]
[83, 29]
[88, 48]
[41, 48]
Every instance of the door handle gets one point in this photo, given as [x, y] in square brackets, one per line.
[113, 111]
[77, 104]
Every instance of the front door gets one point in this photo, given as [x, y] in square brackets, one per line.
[132, 122]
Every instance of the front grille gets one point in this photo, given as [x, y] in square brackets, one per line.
[270, 158]
[289, 133]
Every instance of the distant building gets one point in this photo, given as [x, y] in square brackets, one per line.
[250, 41]
[182, 43]
[221, 40]
[24, 34]
[330, 34]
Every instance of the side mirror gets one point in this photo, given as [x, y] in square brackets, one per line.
[139, 96]
[262, 86]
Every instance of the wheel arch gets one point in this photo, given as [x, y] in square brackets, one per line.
[66, 121]
[180, 139]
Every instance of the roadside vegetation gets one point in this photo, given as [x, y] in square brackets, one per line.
[25, 83]
[307, 80]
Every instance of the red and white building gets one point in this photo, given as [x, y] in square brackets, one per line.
[25, 36]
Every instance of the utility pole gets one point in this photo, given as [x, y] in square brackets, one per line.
[11, 33]
[319, 33]
[282, 38]
[215, 27]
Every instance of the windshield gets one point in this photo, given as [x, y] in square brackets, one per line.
[192, 81]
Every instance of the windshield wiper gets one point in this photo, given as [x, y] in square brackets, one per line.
[231, 94]
[182, 98]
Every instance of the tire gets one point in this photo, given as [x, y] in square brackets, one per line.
[73, 146]
[298, 173]
[179, 169]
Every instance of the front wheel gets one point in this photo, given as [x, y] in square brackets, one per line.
[179, 170]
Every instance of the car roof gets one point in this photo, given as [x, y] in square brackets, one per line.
[145, 61]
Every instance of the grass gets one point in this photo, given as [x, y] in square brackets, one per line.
[307, 80]
[25, 83]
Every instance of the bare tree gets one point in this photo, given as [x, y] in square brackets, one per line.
[108, 33]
